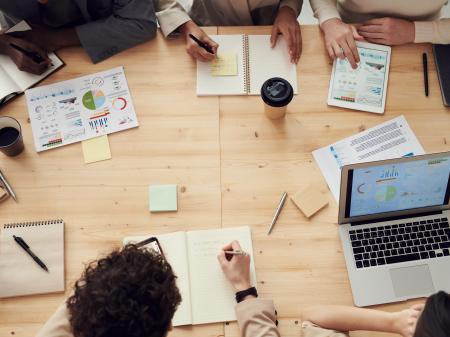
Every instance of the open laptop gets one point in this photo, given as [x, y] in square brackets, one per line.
[442, 60]
[394, 227]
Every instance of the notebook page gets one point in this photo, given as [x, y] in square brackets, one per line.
[266, 62]
[212, 296]
[7, 85]
[26, 80]
[174, 248]
[223, 85]
[19, 273]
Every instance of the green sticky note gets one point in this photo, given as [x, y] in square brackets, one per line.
[163, 198]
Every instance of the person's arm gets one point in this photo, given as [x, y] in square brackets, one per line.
[256, 317]
[286, 23]
[295, 5]
[343, 318]
[324, 10]
[437, 31]
[58, 324]
[171, 15]
[132, 22]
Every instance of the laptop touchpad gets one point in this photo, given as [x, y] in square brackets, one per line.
[410, 281]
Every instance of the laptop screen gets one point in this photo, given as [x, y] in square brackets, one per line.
[398, 186]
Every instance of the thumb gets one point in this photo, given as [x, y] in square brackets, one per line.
[274, 36]
[356, 35]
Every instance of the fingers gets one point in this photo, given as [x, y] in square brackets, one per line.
[356, 35]
[199, 53]
[299, 44]
[378, 21]
[213, 44]
[353, 50]
[337, 50]
[222, 259]
[274, 36]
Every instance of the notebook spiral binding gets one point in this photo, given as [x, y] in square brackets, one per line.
[32, 224]
[246, 64]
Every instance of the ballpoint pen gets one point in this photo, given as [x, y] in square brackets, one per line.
[21, 242]
[7, 186]
[277, 212]
[235, 252]
[202, 44]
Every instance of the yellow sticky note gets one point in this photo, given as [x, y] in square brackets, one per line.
[224, 65]
[96, 149]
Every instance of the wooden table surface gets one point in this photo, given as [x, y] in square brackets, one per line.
[230, 163]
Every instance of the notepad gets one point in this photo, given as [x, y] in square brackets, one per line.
[163, 198]
[256, 62]
[14, 81]
[19, 273]
[207, 296]
[96, 149]
[224, 65]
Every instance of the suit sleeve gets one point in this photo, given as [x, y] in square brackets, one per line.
[296, 5]
[257, 318]
[171, 15]
[132, 22]
[58, 325]
[437, 31]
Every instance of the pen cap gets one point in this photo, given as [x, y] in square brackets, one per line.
[11, 142]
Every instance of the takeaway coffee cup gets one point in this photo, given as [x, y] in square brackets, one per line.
[11, 142]
[276, 94]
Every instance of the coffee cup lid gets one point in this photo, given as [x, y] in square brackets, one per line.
[277, 92]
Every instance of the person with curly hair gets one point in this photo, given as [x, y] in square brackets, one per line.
[132, 292]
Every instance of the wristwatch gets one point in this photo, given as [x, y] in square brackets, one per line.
[240, 295]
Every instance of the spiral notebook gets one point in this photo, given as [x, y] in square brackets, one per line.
[19, 273]
[256, 62]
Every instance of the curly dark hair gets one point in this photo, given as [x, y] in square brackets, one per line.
[435, 318]
[129, 293]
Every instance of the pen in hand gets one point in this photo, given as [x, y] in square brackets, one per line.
[31, 54]
[202, 44]
[21, 242]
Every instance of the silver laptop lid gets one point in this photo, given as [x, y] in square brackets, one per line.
[395, 187]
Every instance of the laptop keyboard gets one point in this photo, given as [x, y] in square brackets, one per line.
[411, 241]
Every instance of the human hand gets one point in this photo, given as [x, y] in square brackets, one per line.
[22, 61]
[340, 40]
[286, 23]
[389, 31]
[404, 322]
[192, 47]
[237, 269]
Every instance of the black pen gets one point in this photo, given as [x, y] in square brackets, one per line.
[32, 54]
[202, 44]
[21, 242]
[425, 72]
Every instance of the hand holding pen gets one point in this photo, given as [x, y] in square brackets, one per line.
[198, 44]
[235, 265]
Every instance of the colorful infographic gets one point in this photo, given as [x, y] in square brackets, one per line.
[79, 109]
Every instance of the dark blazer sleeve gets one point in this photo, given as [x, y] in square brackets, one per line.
[132, 22]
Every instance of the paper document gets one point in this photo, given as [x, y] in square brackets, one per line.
[392, 139]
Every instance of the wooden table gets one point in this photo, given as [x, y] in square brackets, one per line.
[231, 165]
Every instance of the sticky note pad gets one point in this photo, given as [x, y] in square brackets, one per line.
[224, 65]
[163, 198]
[96, 149]
[310, 200]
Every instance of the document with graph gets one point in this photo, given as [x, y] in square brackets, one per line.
[193, 257]
[391, 139]
[363, 88]
[82, 108]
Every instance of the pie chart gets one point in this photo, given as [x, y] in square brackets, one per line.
[94, 99]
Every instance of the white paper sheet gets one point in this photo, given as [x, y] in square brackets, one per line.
[392, 139]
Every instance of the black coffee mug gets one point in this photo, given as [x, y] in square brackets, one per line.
[11, 142]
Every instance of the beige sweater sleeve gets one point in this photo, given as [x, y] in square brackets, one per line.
[324, 9]
[437, 31]
[256, 318]
[58, 325]
[171, 15]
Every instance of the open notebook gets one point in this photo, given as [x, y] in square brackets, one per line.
[14, 81]
[207, 297]
[19, 273]
[256, 62]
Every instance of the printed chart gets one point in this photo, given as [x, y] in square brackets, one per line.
[79, 109]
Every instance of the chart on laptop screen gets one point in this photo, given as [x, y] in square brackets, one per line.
[402, 186]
